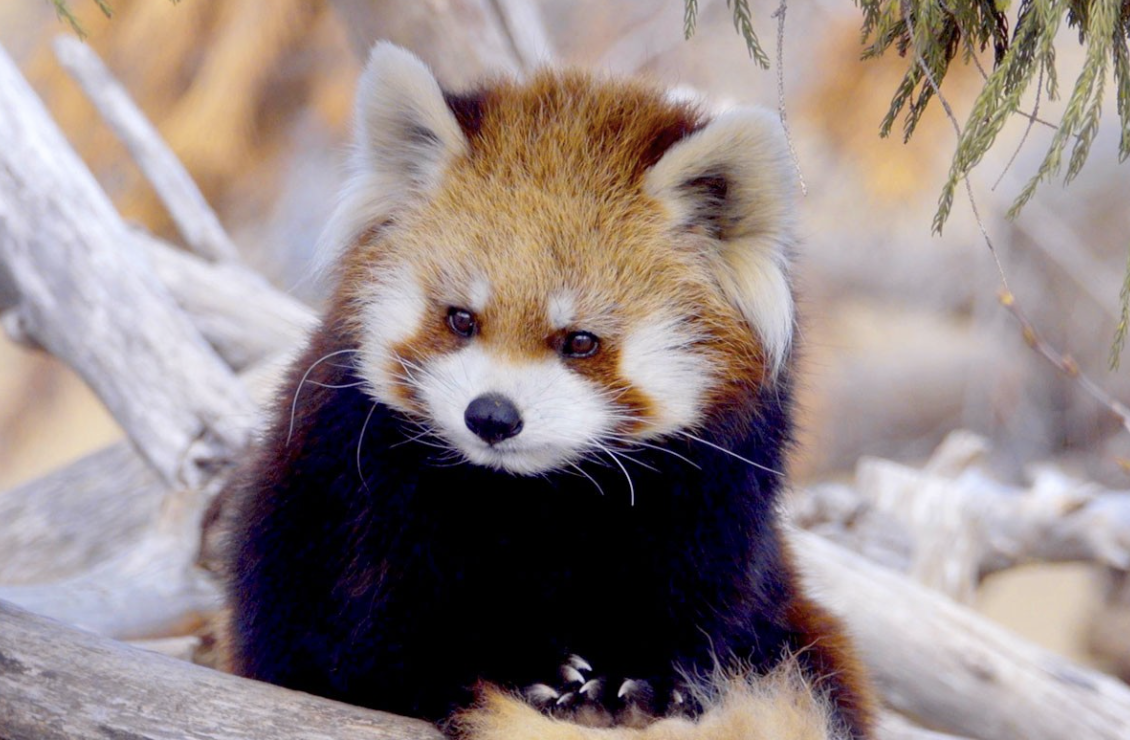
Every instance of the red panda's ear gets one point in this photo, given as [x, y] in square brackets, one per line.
[731, 180]
[404, 136]
[404, 127]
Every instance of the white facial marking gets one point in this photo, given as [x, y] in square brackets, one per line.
[562, 413]
[392, 316]
[478, 294]
[562, 309]
[659, 358]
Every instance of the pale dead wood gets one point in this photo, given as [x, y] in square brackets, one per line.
[525, 32]
[242, 316]
[656, 36]
[1108, 633]
[135, 340]
[57, 683]
[151, 587]
[181, 648]
[951, 524]
[896, 727]
[9, 296]
[943, 664]
[104, 543]
[462, 45]
[194, 218]
[77, 516]
[87, 294]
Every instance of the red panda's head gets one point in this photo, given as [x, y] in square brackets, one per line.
[540, 270]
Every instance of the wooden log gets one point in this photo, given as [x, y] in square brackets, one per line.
[943, 664]
[58, 683]
[194, 218]
[87, 294]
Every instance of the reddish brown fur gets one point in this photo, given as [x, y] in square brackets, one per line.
[831, 655]
[541, 208]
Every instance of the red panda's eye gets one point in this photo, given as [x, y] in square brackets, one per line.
[461, 321]
[580, 344]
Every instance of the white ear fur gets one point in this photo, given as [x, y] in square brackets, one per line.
[733, 176]
[404, 136]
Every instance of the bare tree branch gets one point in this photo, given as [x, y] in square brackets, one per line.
[87, 294]
[194, 218]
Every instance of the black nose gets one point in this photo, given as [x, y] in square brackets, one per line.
[493, 417]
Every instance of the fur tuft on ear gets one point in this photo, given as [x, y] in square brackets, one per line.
[731, 181]
[404, 136]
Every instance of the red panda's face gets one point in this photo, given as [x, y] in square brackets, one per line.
[533, 331]
[573, 269]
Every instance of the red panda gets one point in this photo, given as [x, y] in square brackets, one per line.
[524, 481]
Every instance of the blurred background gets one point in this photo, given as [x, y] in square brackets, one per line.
[903, 338]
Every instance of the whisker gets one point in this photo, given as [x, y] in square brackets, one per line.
[631, 486]
[331, 385]
[360, 439]
[733, 454]
[581, 470]
[658, 448]
[647, 466]
[414, 438]
[670, 452]
[305, 375]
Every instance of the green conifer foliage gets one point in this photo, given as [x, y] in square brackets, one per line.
[930, 34]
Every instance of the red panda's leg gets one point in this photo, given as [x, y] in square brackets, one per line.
[829, 656]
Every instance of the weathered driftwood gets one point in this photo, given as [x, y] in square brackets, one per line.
[950, 524]
[941, 663]
[77, 517]
[648, 40]
[1108, 634]
[57, 683]
[525, 31]
[194, 218]
[104, 544]
[87, 294]
[184, 647]
[892, 725]
[469, 40]
[241, 315]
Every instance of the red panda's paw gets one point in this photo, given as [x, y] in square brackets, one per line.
[602, 701]
[782, 705]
